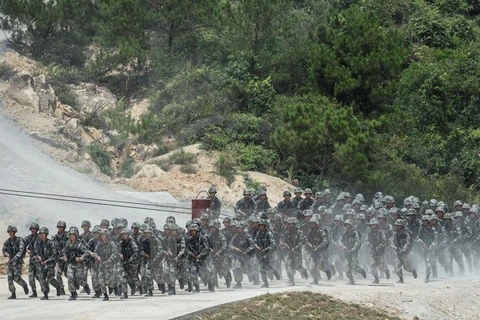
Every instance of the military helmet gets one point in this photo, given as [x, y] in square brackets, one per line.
[474, 209]
[389, 199]
[458, 203]
[327, 191]
[86, 223]
[369, 212]
[150, 230]
[363, 207]
[263, 215]
[407, 201]
[105, 231]
[97, 229]
[291, 220]
[360, 197]
[212, 189]
[287, 193]
[314, 220]
[338, 217]
[148, 220]
[328, 212]
[378, 195]
[262, 192]
[466, 206]
[347, 195]
[321, 209]
[393, 210]
[73, 230]
[34, 225]
[194, 227]
[11, 229]
[241, 224]
[307, 213]
[382, 213]
[277, 217]
[247, 192]
[412, 212]
[308, 191]
[429, 212]
[433, 217]
[205, 216]
[447, 216]
[400, 222]
[144, 226]
[196, 221]
[166, 226]
[432, 203]
[350, 212]
[124, 222]
[227, 220]
[348, 221]
[360, 216]
[105, 222]
[425, 218]
[115, 221]
[233, 224]
[263, 222]
[416, 205]
[43, 230]
[271, 211]
[373, 221]
[458, 214]
[62, 224]
[125, 230]
[173, 226]
[170, 219]
[340, 197]
[356, 201]
[297, 190]
[135, 225]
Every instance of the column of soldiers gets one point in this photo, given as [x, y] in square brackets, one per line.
[312, 234]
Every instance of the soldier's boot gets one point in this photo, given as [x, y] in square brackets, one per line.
[133, 290]
[197, 288]
[291, 282]
[161, 287]
[140, 289]
[238, 286]
[351, 282]
[340, 275]
[277, 274]
[115, 291]
[400, 279]
[83, 290]
[211, 286]
[315, 281]
[13, 296]
[110, 290]
[228, 280]
[96, 295]
[25, 289]
[86, 288]
[62, 291]
[270, 275]
[304, 273]
[189, 286]
[125, 296]
[364, 274]
[181, 283]
[45, 296]
[427, 278]
[171, 290]
[73, 296]
[256, 280]
[414, 272]
[105, 297]
[434, 271]
[34, 294]
[329, 274]
[149, 293]
[376, 279]
[264, 285]
[387, 273]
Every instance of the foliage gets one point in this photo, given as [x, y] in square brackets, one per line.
[127, 168]
[250, 183]
[188, 169]
[226, 166]
[101, 157]
[182, 157]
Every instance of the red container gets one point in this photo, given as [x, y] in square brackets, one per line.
[199, 206]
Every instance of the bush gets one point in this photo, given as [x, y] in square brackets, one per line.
[250, 183]
[226, 166]
[127, 169]
[188, 169]
[254, 157]
[182, 157]
[163, 164]
[101, 157]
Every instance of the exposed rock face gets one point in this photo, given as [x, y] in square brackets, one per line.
[90, 97]
[149, 171]
[33, 92]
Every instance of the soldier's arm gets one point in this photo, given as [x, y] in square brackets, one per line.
[324, 243]
[357, 244]
[251, 244]
[135, 254]
[113, 255]
[181, 252]
[205, 248]
[408, 241]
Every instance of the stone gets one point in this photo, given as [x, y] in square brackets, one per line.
[73, 130]
[149, 171]
[47, 101]
[91, 97]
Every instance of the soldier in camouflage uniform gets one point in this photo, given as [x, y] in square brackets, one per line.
[174, 254]
[151, 249]
[351, 244]
[305, 203]
[317, 242]
[262, 204]
[92, 244]
[402, 243]
[297, 192]
[291, 243]
[378, 242]
[427, 236]
[106, 255]
[286, 207]
[218, 247]
[228, 234]
[337, 247]
[215, 205]
[453, 233]
[467, 236]
[475, 242]
[265, 244]
[197, 249]
[45, 257]
[242, 246]
[278, 229]
[60, 239]
[14, 250]
[362, 229]
[73, 254]
[33, 266]
[85, 237]
[245, 207]
[129, 256]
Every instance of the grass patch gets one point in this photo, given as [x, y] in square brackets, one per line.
[163, 164]
[101, 157]
[127, 169]
[188, 169]
[226, 166]
[182, 157]
[295, 305]
[250, 183]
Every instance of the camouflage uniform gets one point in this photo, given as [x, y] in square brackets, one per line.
[286, 207]
[245, 206]
[151, 251]
[426, 238]
[278, 229]
[15, 250]
[336, 249]
[216, 259]
[291, 242]
[197, 249]
[174, 253]
[402, 242]
[242, 246]
[378, 242]
[75, 269]
[317, 241]
[228, 234]
[265, 244]
[46, 256]
[33, 266]
[130, 259]
[106, 255]
[453, 233]
[61, 268]
[351, 244]
[92, 244]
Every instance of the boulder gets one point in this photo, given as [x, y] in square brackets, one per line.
[149, 171]
[91, 97]
[47, 101]
[73, 130]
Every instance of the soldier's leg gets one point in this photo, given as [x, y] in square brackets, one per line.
[373, 266]
[315, 267]
[59, 270]
[71, 279]
[398, 267]
[348, 268]
[428, 265]
[289, 266]
[458, 256]
[238, 270]
[467, 252]
[32, 276]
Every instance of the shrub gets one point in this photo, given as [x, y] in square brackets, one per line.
[127, 169]
[250, 183]
[163, 164]
[226, 166]
[101, 157]
[182, 157]
[188, 169]
[253, 157]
